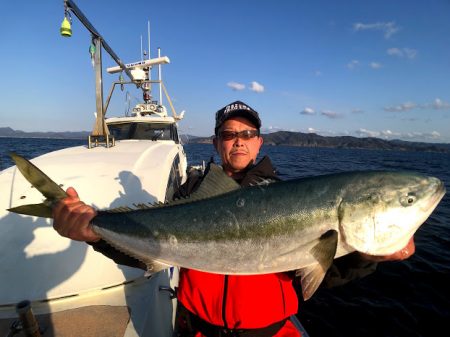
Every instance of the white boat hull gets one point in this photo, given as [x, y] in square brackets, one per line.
[38, 265]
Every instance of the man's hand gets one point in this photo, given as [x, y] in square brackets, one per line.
[402, 254]
[71, 218]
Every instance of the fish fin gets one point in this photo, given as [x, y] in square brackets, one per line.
[215, 182]
[42, 183]
[154, 267]
[123, 209]
[51, 190]
[324, 252]
[120, 209]
[41, 210]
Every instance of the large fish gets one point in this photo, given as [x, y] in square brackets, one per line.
[300, 224]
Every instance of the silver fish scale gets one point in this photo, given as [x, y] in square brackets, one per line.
[256, 229]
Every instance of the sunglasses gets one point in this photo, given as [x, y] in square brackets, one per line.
[244, 134]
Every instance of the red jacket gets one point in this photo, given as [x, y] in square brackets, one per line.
[245, 302]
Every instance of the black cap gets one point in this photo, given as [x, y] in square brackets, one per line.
[237, 109]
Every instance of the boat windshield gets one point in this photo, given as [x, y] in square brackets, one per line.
[153, 131]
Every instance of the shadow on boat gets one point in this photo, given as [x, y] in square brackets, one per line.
[150, 299]
[36, 264]
[31, 265]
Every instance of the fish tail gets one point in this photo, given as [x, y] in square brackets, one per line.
[51, 190]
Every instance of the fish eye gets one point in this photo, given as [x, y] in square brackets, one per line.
[408, 200]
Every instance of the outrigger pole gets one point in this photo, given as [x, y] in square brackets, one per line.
[100, 132]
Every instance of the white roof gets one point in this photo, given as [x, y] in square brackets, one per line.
[141, 119]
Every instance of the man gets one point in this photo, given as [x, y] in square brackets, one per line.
[219, 305]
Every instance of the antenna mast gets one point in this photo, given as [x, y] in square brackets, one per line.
[148, 27]
[160, 78]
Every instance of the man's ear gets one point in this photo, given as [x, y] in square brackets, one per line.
[261, 141]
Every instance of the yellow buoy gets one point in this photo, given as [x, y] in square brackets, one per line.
[66, 29]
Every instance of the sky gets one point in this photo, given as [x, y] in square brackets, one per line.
[359, 68]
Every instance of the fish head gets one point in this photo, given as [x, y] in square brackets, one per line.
[380, 212]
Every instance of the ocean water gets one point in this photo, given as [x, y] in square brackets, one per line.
[404, 298]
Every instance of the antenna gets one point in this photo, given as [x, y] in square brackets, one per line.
[148, 35]
[159, 75]
[142, 53]
[148, 32]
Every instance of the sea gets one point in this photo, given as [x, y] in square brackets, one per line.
[404, 298]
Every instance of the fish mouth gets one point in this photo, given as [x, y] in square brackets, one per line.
[440, 192]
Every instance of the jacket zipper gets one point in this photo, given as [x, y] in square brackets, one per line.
[224, 302]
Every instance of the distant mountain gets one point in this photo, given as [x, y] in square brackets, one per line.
[276, 138]
[314, 140]
[8, 132]
[188, 138]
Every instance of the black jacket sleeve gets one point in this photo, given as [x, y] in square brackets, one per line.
[348, 268]
[117, 256]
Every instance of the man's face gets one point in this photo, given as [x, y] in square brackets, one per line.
[237, 153]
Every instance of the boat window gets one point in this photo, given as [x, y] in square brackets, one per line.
[154, 131]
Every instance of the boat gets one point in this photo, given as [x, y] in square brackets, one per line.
[66, 286]
[53, 286]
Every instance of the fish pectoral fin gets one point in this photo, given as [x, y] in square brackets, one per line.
[154, 267]
[324, 252]
[41, 210]
[311, 278]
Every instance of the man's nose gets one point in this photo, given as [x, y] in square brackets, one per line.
[238, 141]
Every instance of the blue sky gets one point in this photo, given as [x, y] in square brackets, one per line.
[360, 68]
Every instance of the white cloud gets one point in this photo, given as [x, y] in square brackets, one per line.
[410, 53]
[394, 52]
[389, 135]
[422, 136]
[330, 114]
[367, 133]
[386, 134]
[438, 104]
[402, 107]
[256, 87]
[388, 28]
[435, 134]
[411, 119]
[357, 111]
[271, 129]
[308, 111]
[236, 86]
[404, 52]
[375, 65]
[312, 130]
[353, 64]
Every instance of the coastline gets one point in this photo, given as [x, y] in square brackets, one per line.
[280, 138]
